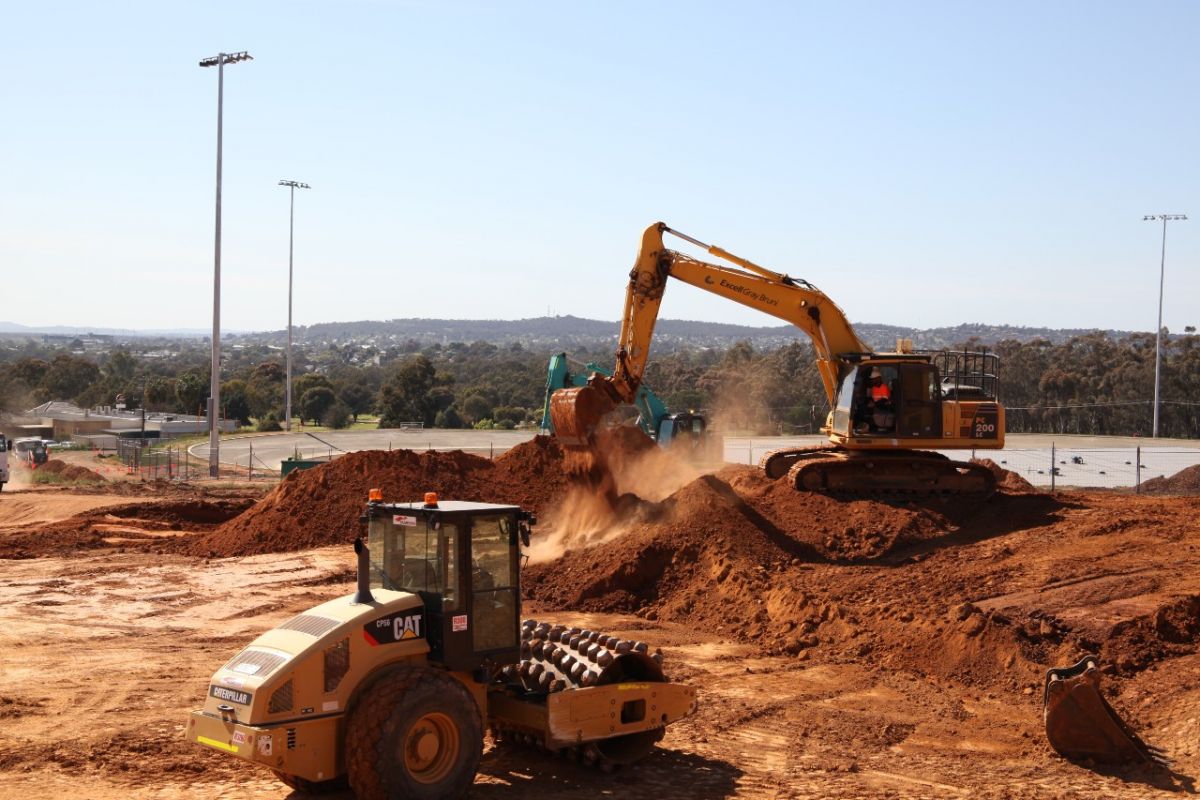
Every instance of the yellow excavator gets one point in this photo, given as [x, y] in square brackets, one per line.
[891, 412]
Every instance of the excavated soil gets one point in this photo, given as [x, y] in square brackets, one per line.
[843, 647]
[1006, 479]
[71, 472]
[321, 506]
[1186, 481]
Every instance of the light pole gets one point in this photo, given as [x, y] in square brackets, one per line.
[214, 400]
[292, 186]
[1162, 271]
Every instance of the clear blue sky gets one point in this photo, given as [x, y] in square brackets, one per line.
[924, 163]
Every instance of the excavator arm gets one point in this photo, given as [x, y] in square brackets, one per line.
[577, 412]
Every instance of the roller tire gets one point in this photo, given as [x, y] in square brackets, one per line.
[304, 786]
[381, 722]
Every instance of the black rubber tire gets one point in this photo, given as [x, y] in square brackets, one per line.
[312, 787]
[381, 720]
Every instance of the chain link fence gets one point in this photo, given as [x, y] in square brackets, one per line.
[1115, 468]
[139, 459]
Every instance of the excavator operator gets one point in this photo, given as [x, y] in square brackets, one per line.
[883, 417]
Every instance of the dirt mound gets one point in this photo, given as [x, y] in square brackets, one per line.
[1186, 481]
[847, 530]
[1006, 479]
[156, 526]
[71, 472]
[321, 506]
[728, 552]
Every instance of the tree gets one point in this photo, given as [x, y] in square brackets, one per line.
[264, 390]
[160, 393]
[233, 398]
[69, 377]
[315, 402]
[337, 416]
[191, 391]
[476, 407]
[449, 418]
[309, 380]
[407, 395]
[357, 397]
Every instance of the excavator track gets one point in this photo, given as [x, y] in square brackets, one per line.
[777, 463]
[557, 658]
[879, 473]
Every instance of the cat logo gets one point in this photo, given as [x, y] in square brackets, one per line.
[398, 627]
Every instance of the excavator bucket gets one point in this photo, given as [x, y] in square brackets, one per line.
[576, 413]
[1081, 725]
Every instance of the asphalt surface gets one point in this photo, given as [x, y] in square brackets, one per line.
[1094, 461]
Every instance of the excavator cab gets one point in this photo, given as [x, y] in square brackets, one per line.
[892, 399]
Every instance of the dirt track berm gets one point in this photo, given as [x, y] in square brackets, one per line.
[390, 689]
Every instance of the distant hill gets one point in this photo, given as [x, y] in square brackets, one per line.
[568, 332]
[573, 333]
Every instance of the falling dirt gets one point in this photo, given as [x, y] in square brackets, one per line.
[843, 648]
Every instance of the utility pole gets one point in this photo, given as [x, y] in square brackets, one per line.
[1162, 271]
[214, 400]
[292, 186]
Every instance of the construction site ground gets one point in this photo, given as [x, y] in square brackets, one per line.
[842, 648]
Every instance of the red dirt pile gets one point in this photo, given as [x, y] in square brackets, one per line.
[732, 551]
[141, 526]
[321, 506]
[1006, 479]
[1186, 481]
[71, 472]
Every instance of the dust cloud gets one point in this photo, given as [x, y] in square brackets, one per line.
[615, 484]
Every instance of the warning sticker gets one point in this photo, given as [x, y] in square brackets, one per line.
[458, 623]
[401, 519]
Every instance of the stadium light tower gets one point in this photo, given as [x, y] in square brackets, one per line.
[1162, 271]
[292, 186]
[214, 395]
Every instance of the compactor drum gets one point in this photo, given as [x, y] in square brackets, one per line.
[390, 689]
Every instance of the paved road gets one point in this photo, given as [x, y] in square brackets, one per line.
[1081, 460]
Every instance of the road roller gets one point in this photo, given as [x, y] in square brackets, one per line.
[390, 690]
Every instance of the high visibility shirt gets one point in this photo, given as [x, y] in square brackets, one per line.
[881, 392]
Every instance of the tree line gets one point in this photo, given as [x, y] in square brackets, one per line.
[1091, 384]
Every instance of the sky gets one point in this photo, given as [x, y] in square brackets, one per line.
[922, 163]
